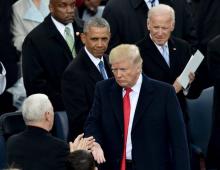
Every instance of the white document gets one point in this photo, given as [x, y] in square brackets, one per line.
[2, 79]
[191, 66]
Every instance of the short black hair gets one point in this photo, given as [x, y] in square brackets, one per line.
[80, 160]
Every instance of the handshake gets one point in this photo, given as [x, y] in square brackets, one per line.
[90, 145]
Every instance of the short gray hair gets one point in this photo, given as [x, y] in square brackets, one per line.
[125, 51]
[161, 9]
[96, 22]
[34, 107]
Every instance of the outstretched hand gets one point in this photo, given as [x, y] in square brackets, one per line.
[98, 153]
[82, 143]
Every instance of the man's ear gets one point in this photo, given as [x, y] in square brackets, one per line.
[83, 37]
[172, 26]
[148, 24]
[47, 115]
[50, 8]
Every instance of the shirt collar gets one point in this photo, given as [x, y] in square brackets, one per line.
[61, 27]
[137, 86]
[95, 60]
[159, 46]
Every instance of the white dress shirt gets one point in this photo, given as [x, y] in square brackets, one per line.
[95, 60]
[2, 79]
[61, 28]
[134, 95]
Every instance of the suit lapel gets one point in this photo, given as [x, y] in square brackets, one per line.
[155, 54]
[55, 34]
[174, 60]
[91, 68]
[144, 100]
[117, 105]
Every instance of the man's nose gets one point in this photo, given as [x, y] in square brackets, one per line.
[70, 8]
[100, 43]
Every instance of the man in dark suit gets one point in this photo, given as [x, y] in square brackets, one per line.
[8, 55]
[46, 54]
[164, 56]
[129, 25]
[208, 26]
[80, 77]
[35, 148]
[152, 134]
[213, 155]
[208, 22]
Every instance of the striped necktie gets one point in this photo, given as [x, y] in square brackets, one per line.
[102, 70]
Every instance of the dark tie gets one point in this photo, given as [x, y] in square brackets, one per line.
[152, 3]
[126, 109]
[102, 70]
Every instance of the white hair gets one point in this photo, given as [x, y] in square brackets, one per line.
[161, 9]
[35, 106]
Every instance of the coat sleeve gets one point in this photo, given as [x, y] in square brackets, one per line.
[75, 98]
[179, 146]
[33, 71]
[92, 125]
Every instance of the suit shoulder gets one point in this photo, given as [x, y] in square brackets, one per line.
[215, 41]
[40, 31]
[113, 8]
[140, 43]
[179, 41]
[75, 66]
[105, 83]
[58, 142]
[15, 137]
[160, 84]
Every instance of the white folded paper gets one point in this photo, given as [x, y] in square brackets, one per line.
[191, 66]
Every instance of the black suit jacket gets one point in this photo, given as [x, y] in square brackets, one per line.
[45, 56]
[156, 67]
[157, 128]
[208, 22]
[214, 67]
[130, 24]
[78, 85]
[36, 149]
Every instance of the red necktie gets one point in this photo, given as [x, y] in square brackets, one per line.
[127, 108]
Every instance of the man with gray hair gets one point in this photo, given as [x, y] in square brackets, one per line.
[136, 121]
[165, 56]
[80, 77]
[35, 148]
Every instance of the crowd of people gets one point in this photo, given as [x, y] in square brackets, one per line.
[115, 73]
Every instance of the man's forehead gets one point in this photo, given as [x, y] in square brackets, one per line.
[62, 1]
